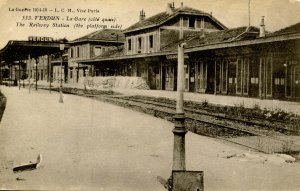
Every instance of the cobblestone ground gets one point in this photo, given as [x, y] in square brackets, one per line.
[90, 145]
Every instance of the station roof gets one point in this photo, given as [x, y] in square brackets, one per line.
[20, 50]
[105, 35]
[206, 38]
[249, 42]
[295, 28]
[160, 18]
[241, 37]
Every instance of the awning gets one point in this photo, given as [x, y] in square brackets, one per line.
[19, 50]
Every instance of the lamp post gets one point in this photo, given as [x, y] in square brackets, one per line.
[61, 99]
[179, 131]
[19, 73]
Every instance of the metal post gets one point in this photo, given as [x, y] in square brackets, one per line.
[0, 72]
[24, 75]
[10, 75]
[36, 71]
[77, 73]
[19, 77]
[215, 81]
[15, 80]
[60, 87]
[50, 75]
[179, 131]
[29, 72]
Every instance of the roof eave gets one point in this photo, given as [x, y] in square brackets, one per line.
[129, 56]
[229, 44]
[94, 40]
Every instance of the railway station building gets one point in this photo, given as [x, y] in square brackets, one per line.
[245, 61]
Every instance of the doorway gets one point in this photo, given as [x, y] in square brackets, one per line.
[265, 77]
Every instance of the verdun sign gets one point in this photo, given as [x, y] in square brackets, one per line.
[40, 38]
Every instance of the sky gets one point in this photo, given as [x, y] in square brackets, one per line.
[232, 13]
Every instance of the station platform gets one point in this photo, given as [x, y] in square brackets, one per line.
[288, 106]
[83, 141]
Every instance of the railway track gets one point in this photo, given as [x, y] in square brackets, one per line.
[250, 124]
[262, 123]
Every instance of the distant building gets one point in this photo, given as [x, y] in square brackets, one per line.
[90, 46]
[31, 58]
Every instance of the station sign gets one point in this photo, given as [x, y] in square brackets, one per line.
[40, 39]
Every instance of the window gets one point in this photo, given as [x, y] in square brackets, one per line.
[129, 44]
[246, 76]
[185, 22]
[192, 22]
[139, 44]
[269, 73]
[71, 53]
[78, 50]
[239, 72]
[151, 41]
[200, 23]
[98, 51]
[279, 81]
[202, 76]
[254, 80]
[242, 75]
[224, 76]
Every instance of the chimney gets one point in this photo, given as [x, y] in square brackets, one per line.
[170, 8]
[142, 15]
[262, 29]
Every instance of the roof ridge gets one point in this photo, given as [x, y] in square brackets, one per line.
[294, 28]
[158, 18]
[99, 35]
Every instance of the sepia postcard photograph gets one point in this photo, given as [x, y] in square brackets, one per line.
[150, 95]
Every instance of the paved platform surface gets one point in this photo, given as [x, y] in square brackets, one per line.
[90, 145]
